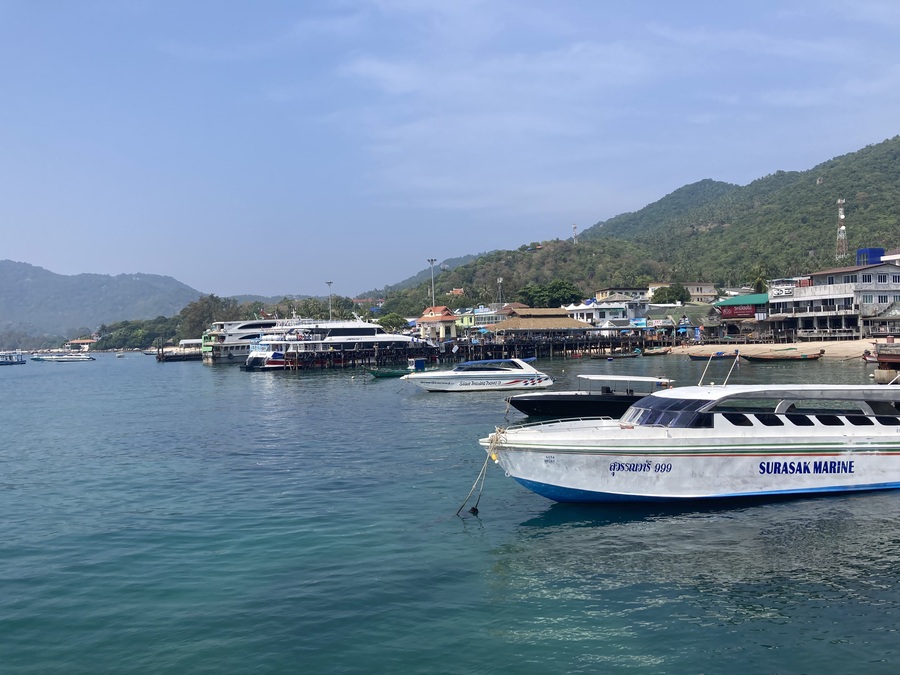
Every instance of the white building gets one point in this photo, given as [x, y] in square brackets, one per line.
[609, 308]
[844, 302]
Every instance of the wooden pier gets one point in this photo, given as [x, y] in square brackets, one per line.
[464, 351]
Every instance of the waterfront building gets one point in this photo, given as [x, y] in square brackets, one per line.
[841, 303]
[437, 324]
[641, 294]
[744, 316]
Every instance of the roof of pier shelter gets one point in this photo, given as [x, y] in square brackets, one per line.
[535, 319]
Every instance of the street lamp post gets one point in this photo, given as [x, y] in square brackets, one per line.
[431, 262]
[328, 283]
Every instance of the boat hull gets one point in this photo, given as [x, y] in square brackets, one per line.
[572, 404]
[603, 460]
[481, 383]
[681, 476]
[762, 358]
[60, 358]
[707, 357]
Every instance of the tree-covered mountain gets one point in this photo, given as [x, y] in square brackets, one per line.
[36, 301]
[784, 224]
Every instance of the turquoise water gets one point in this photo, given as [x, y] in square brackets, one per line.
[171, 518]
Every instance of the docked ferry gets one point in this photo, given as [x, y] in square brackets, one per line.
[300, 343]
[229, 341]
[713, 442]
[13, 358]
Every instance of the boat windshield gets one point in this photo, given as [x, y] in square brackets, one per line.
[667, 412]
[487, 365]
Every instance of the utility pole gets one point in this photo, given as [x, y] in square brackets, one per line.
[328, 283]
[431, 262]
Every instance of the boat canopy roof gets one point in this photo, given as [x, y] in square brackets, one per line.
[489, 361]
[839, 392]
[625, 378]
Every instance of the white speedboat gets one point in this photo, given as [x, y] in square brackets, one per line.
[70, 357]
[481, 375]
[714, 442]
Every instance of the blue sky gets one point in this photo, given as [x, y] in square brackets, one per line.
[269, 147]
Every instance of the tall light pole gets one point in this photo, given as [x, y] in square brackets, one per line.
[431, 262]
[328, 283]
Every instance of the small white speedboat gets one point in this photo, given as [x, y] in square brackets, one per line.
[483, 375]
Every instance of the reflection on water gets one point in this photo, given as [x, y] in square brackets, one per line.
[780, 577]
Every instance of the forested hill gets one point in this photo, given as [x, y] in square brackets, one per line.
[785, 222]
[781, 225]
[34, 300]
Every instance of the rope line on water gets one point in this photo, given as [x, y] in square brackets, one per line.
[495, 441]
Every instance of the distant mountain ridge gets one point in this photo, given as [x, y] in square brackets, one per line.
[36, 301]
[785, 222]
[782, 224]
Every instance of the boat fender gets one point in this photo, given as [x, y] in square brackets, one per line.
[231, 356]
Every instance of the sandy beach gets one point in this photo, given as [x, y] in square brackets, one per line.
[838, 350]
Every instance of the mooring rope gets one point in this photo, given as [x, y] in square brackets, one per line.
[496, 440]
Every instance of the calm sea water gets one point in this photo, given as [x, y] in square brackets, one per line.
[173, 518]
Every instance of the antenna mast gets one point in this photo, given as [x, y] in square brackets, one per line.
[840, 250]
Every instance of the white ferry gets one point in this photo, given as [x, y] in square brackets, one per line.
[229, 341]
[483, 375]
[713, 442]
[13, 358]
[300, 343]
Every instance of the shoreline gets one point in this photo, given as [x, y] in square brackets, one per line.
[835, 350]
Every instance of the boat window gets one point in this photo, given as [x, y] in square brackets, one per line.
[888, 420]
[738, 419]
[830, 420]
[882, 407]
[799, 420]
[649, 409]
[499, 367]
[860, 420]
[697, 421]
[770, 419]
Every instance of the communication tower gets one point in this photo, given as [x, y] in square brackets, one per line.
[840, 250]
[574, 233]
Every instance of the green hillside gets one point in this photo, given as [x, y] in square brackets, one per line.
[783, 224]
[786, 222]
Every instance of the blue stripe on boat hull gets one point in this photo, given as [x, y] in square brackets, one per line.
[574, 496]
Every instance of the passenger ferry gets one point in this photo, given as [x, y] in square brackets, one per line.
[713, 442]
[13, 358]
[299, 343]
[229, 341]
